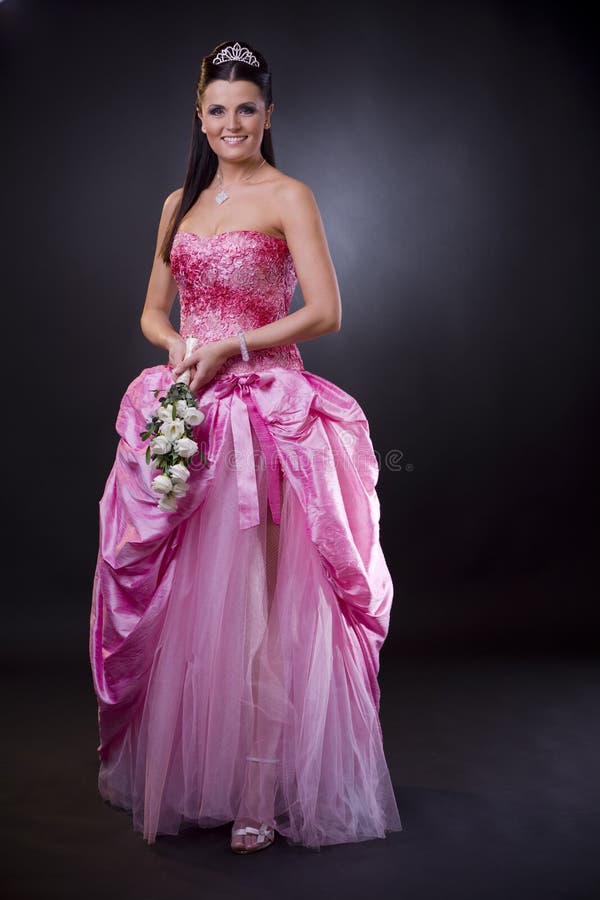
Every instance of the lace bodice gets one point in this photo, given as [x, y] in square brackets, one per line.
[235, 281]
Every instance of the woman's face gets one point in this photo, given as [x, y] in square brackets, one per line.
[233, 116]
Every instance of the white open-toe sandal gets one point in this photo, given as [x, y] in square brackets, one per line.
[265, 837]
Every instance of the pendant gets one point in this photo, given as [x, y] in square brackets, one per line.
[221, 197]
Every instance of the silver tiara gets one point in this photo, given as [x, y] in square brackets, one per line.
[233, 52]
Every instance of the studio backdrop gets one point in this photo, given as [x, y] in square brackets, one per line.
[452, 149]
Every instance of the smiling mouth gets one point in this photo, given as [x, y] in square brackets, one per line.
[234, 140]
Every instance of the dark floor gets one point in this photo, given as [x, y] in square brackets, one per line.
[494, 761]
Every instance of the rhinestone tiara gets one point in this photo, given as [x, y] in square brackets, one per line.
[233, 52]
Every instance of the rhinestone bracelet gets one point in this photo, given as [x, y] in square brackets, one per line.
[245, 355]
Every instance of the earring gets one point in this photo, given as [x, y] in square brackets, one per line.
[267, 125]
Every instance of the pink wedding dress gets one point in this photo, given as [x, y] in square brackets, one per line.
[234, 642]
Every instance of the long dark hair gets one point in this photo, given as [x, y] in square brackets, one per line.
[202, 160]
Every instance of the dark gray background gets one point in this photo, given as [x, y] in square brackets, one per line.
[453, 150]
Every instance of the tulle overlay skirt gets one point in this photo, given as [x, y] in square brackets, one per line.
[235, 659]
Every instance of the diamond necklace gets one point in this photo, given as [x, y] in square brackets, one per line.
[222, 195]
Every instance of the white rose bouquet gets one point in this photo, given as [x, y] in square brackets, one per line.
[171, 445]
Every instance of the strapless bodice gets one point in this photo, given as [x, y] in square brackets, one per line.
[235, 281]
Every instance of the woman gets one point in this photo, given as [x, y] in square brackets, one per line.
[235, 639]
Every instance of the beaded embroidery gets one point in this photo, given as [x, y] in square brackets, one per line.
[235, 281]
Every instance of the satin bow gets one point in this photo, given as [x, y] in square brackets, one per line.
[243, 411]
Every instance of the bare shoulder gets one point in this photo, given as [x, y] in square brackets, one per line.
[172, 201]
[297, 207]
[169, 209]
[292, 190]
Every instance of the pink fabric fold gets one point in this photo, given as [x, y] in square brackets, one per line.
[287, 427]
[243, 410]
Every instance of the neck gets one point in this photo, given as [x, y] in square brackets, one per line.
[236, 171]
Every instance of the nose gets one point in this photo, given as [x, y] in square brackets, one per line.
[232, 121]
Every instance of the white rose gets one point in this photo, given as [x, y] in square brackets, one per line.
[167, 502]
[180, 408]
[172, 429]
[162, 484]
[193, 416]
[180, 489]
[165, 413]
[160, 445]
[179, 472]
[186, 447]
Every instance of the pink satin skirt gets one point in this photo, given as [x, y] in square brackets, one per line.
[236, 667]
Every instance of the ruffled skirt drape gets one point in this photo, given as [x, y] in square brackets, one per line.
[236, 667]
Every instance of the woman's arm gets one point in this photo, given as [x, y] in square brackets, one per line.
[162, 290]
[321, 314]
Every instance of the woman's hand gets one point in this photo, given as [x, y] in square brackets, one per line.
[176, 348]
[204, 363]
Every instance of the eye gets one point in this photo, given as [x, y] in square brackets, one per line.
[247, 109]
[215, 110]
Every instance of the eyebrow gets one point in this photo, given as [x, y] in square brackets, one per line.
[245, 103]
